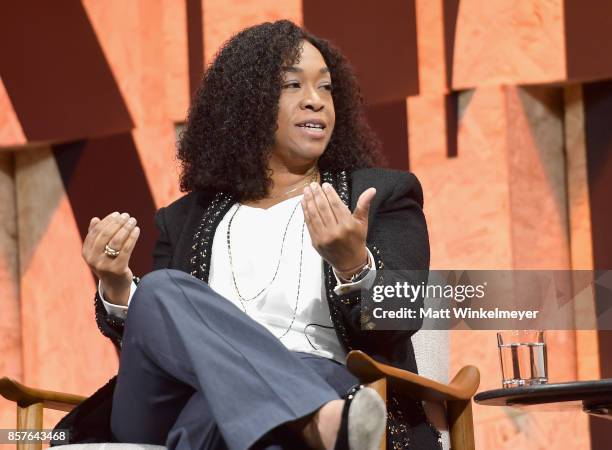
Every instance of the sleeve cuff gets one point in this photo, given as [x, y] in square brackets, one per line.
[118, 311]
[364, 283]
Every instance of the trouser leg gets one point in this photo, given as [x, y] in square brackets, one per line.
[193, 428]
[189, 432]
[181, 337]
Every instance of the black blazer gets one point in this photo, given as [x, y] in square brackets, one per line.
[397, 238]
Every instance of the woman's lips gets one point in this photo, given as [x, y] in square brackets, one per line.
[313, 133]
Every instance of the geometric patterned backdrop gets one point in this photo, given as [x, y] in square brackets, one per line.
[501, 108]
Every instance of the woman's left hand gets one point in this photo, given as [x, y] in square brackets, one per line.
[337, 234]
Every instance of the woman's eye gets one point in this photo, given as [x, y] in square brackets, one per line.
[291, 84]
[327, 87]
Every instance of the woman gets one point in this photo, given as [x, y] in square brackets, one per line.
[237, 339]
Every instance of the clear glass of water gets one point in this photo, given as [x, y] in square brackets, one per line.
[522, 354]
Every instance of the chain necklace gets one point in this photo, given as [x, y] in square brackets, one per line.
[229, 251]
[314, 177]
[240, 297]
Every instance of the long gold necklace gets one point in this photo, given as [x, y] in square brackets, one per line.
[314, 177]
[244, 300]
[231, 260]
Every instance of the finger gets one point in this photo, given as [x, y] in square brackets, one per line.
[363, 205]
[117, 240]
[128, 246]
[314, 231]
[92, 235]
[100, 224]
[108, 231]
[314, 219]
[325, 212]
[92, 223]
[340, 210]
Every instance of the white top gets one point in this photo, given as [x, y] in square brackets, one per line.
[256, 237]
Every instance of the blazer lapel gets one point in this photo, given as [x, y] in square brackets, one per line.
[201, 248]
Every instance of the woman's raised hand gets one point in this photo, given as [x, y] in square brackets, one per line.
[120, 233]
[337, 234]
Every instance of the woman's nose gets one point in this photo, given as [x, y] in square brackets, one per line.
[312, 100]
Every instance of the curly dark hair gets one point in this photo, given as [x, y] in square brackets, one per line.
[232, 120]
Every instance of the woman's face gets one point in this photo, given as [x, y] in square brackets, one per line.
[306, 115]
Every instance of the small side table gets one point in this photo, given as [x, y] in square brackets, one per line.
[594, 397]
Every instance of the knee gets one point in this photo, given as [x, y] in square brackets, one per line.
[149, 292]
[162, 292]
[150, 284]
[157, 279]
[163, 277]
[153, 279]
[148, 302]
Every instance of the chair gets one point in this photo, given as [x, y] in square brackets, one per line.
[444, 403]
[454, 397]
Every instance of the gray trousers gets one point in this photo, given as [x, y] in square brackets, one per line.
[196, 372]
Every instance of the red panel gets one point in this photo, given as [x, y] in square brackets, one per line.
[588, 41]
[389, 122]
[378, 38]
[55, 73]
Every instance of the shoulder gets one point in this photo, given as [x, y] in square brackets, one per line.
[189, 201]
[177, 212]
[389, 183]
[182, 203]
[378, 176]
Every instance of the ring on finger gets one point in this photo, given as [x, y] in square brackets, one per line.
[111, 252]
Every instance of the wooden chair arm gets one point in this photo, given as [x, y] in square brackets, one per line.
[25, 396]
[462, 387]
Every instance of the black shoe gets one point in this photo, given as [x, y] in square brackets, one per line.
[364, 419]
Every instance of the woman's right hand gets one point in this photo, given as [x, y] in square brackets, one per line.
[120, 232]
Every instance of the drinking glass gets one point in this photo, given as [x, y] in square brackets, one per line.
[522, 354]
